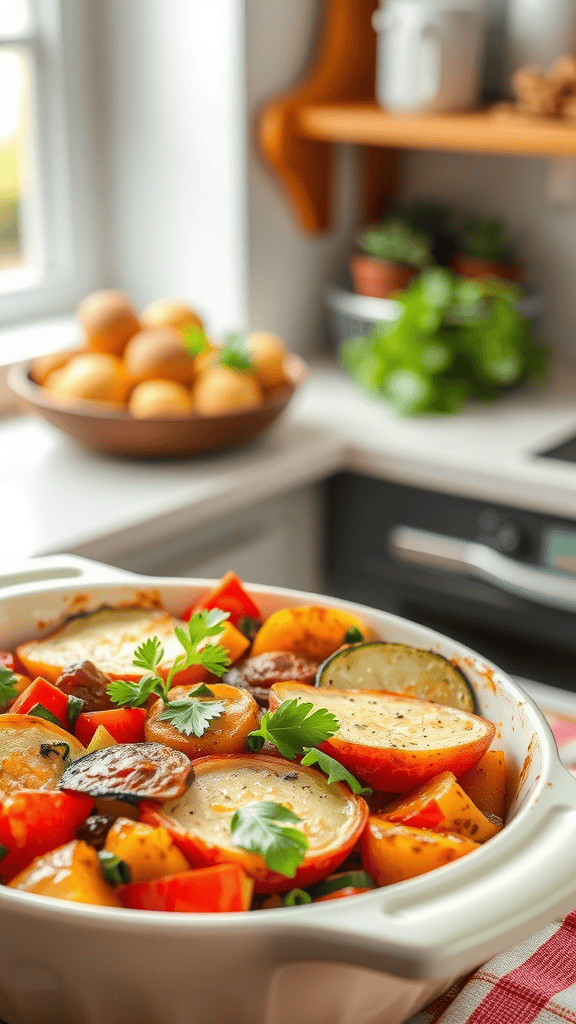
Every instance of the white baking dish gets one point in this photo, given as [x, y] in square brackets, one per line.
[373, 959]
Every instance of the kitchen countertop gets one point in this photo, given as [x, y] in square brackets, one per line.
[58, 496]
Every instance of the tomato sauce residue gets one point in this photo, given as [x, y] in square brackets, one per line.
[528, 760]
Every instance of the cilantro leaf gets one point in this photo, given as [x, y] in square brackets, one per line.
[134, 695]
[190, 716]
[334, 770]
[293, 726]
[261, 828]
[8, 689]
[149, 654]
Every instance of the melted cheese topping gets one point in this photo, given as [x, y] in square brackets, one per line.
[107, 638]
[206, 810]
[391, 722]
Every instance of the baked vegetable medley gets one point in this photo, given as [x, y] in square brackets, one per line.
[225, 762]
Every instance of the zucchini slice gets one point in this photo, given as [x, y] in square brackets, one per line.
[397, 668]
[33, 752]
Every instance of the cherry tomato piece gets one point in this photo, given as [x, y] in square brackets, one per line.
[229, 596]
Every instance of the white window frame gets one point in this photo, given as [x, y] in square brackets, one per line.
[64, 268]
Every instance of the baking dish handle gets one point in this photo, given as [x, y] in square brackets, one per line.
[451, 920]
[61, 567]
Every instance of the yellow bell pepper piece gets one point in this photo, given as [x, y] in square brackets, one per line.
[71, 872]
[149, 852]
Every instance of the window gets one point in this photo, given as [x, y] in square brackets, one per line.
[37, 269]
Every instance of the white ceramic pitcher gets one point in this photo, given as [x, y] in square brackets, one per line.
[430, 54]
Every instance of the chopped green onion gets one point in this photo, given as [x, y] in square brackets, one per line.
[296, 898]
[75, 705]
[39, 711]
[249, 627]
[115, 871]
[353, 636]
[345, 880]
[4, 851]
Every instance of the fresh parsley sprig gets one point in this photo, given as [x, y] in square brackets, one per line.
[294, 725]
[190, 715]
[335, 771]
[8, 689]
[263, 828]
[297, 728]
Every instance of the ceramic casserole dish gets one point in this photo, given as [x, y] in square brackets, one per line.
[375, 958]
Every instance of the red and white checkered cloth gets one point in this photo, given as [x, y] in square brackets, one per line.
[534, 983]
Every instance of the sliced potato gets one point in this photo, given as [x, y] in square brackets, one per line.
[32, 753]
[70, 872]
[311, 631]
[130, 772]
[393, 853]
[331, 817]
[108, 638]
[391, 742]
[398, 668]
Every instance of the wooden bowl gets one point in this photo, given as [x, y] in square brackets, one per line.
[104, 428]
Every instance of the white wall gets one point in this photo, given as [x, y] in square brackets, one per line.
[288, 270]
[170, 107]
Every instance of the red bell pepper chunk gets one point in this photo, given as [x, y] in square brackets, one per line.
[35, 821]
[427, 816]
[229, 596]
[125, 725]
[50, 697]
[223, 887]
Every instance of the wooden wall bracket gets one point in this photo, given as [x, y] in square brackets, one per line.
[342, 70]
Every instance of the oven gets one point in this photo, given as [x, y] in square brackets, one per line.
[501, 580]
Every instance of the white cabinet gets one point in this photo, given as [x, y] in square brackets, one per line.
[276, 542]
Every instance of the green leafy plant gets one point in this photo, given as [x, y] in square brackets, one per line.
[191, 715]
[455, 340]
[485, 238]
[394, 240]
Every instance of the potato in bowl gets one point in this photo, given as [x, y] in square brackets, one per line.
[408, 935]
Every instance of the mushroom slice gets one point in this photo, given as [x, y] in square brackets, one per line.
[130, 772]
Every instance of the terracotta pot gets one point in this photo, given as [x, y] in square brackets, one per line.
[379, 278]
[474, 266]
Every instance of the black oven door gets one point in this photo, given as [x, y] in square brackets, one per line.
[472, 571]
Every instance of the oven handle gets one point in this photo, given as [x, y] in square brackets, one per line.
[450, 554]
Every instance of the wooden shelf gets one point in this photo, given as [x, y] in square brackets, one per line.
[333, 103]
[477, 132]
